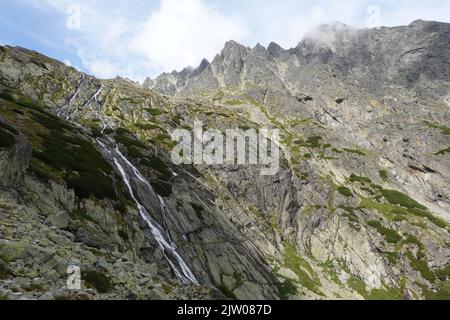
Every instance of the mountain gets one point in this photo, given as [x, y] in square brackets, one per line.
[359, 209]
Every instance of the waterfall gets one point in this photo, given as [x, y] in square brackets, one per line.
[179, 266]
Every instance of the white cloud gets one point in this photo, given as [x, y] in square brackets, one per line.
[138, 38]
[176, 34]
[182, 32]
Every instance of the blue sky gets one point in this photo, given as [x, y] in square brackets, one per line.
[143, 38]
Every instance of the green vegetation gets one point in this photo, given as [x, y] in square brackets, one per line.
[78, 161]
[354, 151]
[60, 152]
[442, 293]
[97, 280]
[233, 102]
[302, 269]
[7, 140]
[286, 289]
[8, 128]
[4, 271]
[426, 214]
[421, 266]
[385, 209]
[331, 270]
[146, 126]
[398, 198]
[445, 130]
[443, 151]
[444, 273]
[158, 165]
[392, 257]
[376, 294]
[350, 213]
[399, 206]
[358, 285]
[389, 235]
[163, 188]
[384, 175]
[355, 178]
[385, 294]
[197, 208]
[154, 112]
[80, 216]
[344, 191]
[123, 137]
[413, 240]
[227, 291]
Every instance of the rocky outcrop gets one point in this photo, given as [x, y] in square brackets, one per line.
[358, 210]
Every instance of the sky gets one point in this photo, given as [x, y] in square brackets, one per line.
[140, 38]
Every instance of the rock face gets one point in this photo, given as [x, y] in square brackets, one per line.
[359, 209]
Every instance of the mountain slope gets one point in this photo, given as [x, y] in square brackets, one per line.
[359, 208]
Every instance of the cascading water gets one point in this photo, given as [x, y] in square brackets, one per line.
[123, 165]
[179, 266]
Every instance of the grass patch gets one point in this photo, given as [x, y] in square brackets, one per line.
[358, 285]
[154, 112]
[302, 269]
[146, 126]
[354, 151]
[434, 125]
[442, 293]
[444, 273]
[421, 266]
[401, 199]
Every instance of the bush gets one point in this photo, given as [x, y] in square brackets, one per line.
[227, 292]
[8, 128]
[154, 112]
[4, 271]
[443, 151]
[345, 191]
[163, 188]
[354, 151]
[7, 140]
[286, 289]
[384, 175]
[128, 142]
[86, 184]
[389, 235]
[158, 165]
[97, 280]
[355, 178]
